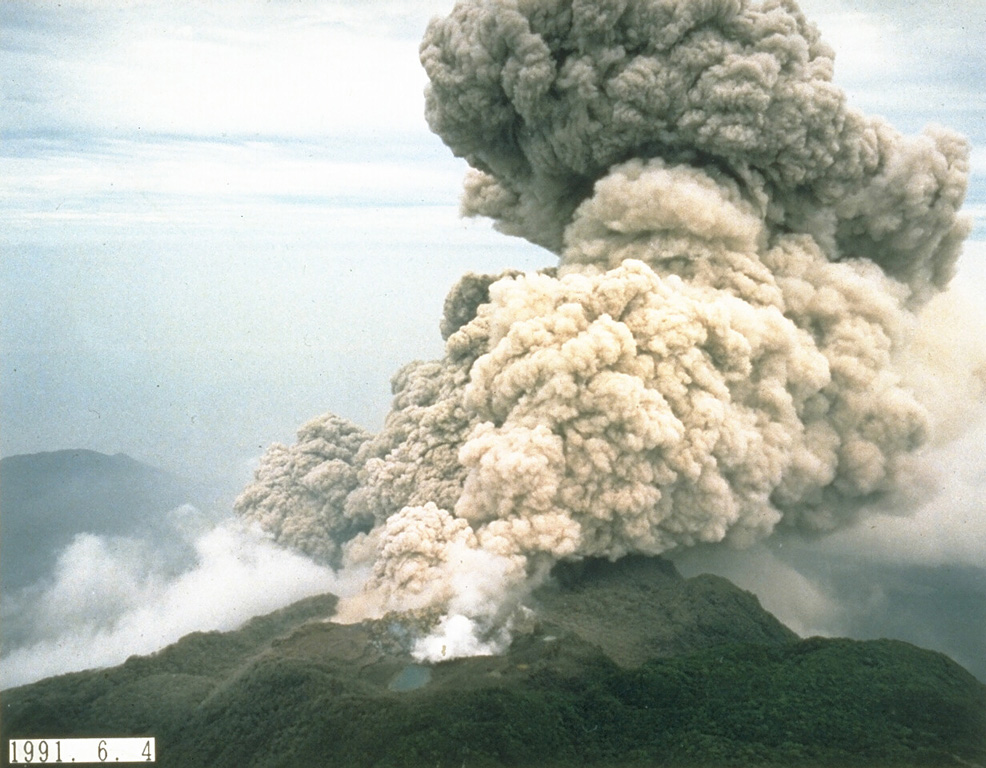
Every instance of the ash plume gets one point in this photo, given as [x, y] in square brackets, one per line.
[741, 257]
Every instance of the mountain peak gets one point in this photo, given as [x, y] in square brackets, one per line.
[49, 498]
[627, 663]
[638, 608]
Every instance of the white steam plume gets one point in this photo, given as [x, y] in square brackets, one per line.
[112, 597]
[717, 353]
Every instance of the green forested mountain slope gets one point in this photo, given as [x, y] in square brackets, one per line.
[623, 664]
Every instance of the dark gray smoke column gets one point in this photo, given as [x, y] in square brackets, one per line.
[740, 258]
[543, 98]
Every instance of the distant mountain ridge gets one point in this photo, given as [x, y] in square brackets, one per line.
[46, 499]
[622, 664]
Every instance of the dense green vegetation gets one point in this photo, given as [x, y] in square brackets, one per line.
[810, 703]
[628, 664]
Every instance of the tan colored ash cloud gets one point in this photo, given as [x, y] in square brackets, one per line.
[718, 351]
[298, 493]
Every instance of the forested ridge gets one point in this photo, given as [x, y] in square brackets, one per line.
[293, 688]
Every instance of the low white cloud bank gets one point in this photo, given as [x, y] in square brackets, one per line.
[113, 597]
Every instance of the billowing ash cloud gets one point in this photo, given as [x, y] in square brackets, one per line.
[544, 98]
[715, 355]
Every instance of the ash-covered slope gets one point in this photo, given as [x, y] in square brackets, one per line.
[620, 664]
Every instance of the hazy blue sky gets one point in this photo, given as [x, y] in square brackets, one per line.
[218, 220]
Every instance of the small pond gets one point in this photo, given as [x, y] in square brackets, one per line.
[411, 677]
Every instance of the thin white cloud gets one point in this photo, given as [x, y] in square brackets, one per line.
[285, 81]
[227, 68]
[189, 181]
[912, 62]
[862, 42]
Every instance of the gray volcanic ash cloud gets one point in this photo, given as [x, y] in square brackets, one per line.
[741, 257]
